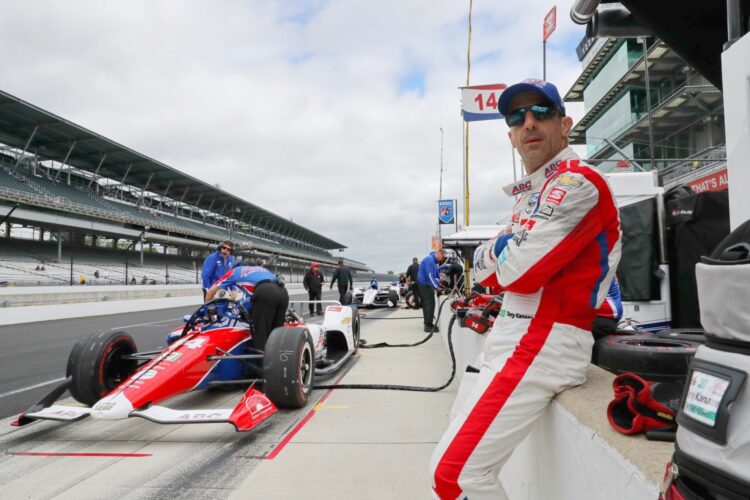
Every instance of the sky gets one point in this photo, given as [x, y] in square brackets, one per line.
[328, 113]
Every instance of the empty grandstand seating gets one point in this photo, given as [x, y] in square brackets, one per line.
[20, 259]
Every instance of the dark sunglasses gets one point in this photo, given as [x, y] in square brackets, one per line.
[541, 112]
[226, 248]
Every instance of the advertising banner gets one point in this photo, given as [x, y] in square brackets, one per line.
[717, 181]
[446, 211]
[479, 102]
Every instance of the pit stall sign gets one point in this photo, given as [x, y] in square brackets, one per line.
[479, 102]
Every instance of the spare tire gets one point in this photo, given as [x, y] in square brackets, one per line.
[689, 334]
[653, 358]
[96, 365]
[347, 298]
[289, 367]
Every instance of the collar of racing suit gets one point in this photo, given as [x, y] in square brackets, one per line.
[535, 180]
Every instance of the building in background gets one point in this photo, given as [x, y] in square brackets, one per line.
[685, 123]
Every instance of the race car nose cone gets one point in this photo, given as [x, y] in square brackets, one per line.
[112, 408]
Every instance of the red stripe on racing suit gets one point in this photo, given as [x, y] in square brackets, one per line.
[554, 272]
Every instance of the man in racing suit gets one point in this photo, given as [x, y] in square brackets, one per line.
[555, 267]
[263, 295]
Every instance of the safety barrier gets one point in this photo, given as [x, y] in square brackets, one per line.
[572, 452]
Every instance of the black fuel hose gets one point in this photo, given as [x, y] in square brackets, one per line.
[412, 388]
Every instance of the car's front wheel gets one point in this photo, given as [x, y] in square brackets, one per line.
[97, 365]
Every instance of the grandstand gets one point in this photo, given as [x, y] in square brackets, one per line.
[82, 205]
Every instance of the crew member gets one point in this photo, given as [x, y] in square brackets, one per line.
[262, 294]
[412, 273]
[313, 283]
[453, 272]
[555, 267]
[429, 281]
[344, 278]
[217, 264]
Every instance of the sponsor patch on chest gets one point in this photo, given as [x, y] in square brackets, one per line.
[556, 196]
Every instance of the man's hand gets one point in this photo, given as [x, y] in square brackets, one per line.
[503, 232]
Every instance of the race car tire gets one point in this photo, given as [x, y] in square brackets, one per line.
[393, 298]
[653, 358]
[347, 298]
[96, 365]
[356, 329]
[289, 367]
[690, 334]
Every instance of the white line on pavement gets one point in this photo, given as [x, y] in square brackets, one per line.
[36, 386]
[146, 324]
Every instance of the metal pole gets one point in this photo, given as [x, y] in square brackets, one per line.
[466, 154]
[71, 271]
[7, 216]
[126, 268]
[648, 103]
[513, 155]
[544, 60]
[440, 195]
[59, 246]
[734, 22]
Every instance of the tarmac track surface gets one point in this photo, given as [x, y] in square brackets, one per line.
[131, 458]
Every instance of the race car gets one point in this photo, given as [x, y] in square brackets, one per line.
[107, 374]
[377, 296]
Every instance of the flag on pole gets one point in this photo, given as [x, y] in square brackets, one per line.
[479, 102]
[550, 23]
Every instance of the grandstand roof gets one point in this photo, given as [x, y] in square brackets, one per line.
[32, 129]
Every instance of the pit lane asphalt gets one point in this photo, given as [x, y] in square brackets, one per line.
[36, 353]
[59, 460]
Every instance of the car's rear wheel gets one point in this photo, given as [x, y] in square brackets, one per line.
[97, 365]
[392, 298]
[289, 367]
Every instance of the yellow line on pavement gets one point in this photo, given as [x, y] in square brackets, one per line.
[323, 406]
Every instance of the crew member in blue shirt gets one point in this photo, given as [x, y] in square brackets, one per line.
[217, 264]
[261, 292]
[428, 280]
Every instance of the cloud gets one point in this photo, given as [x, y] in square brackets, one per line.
[325, 112]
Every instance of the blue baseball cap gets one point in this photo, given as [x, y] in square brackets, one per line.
[546, 89]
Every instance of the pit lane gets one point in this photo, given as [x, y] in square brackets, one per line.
[109, 459]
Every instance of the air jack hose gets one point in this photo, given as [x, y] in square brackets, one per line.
[412, 388]
[428, 337]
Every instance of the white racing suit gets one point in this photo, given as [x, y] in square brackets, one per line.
[555, 269]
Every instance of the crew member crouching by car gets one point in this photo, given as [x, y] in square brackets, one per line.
[265, 298]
